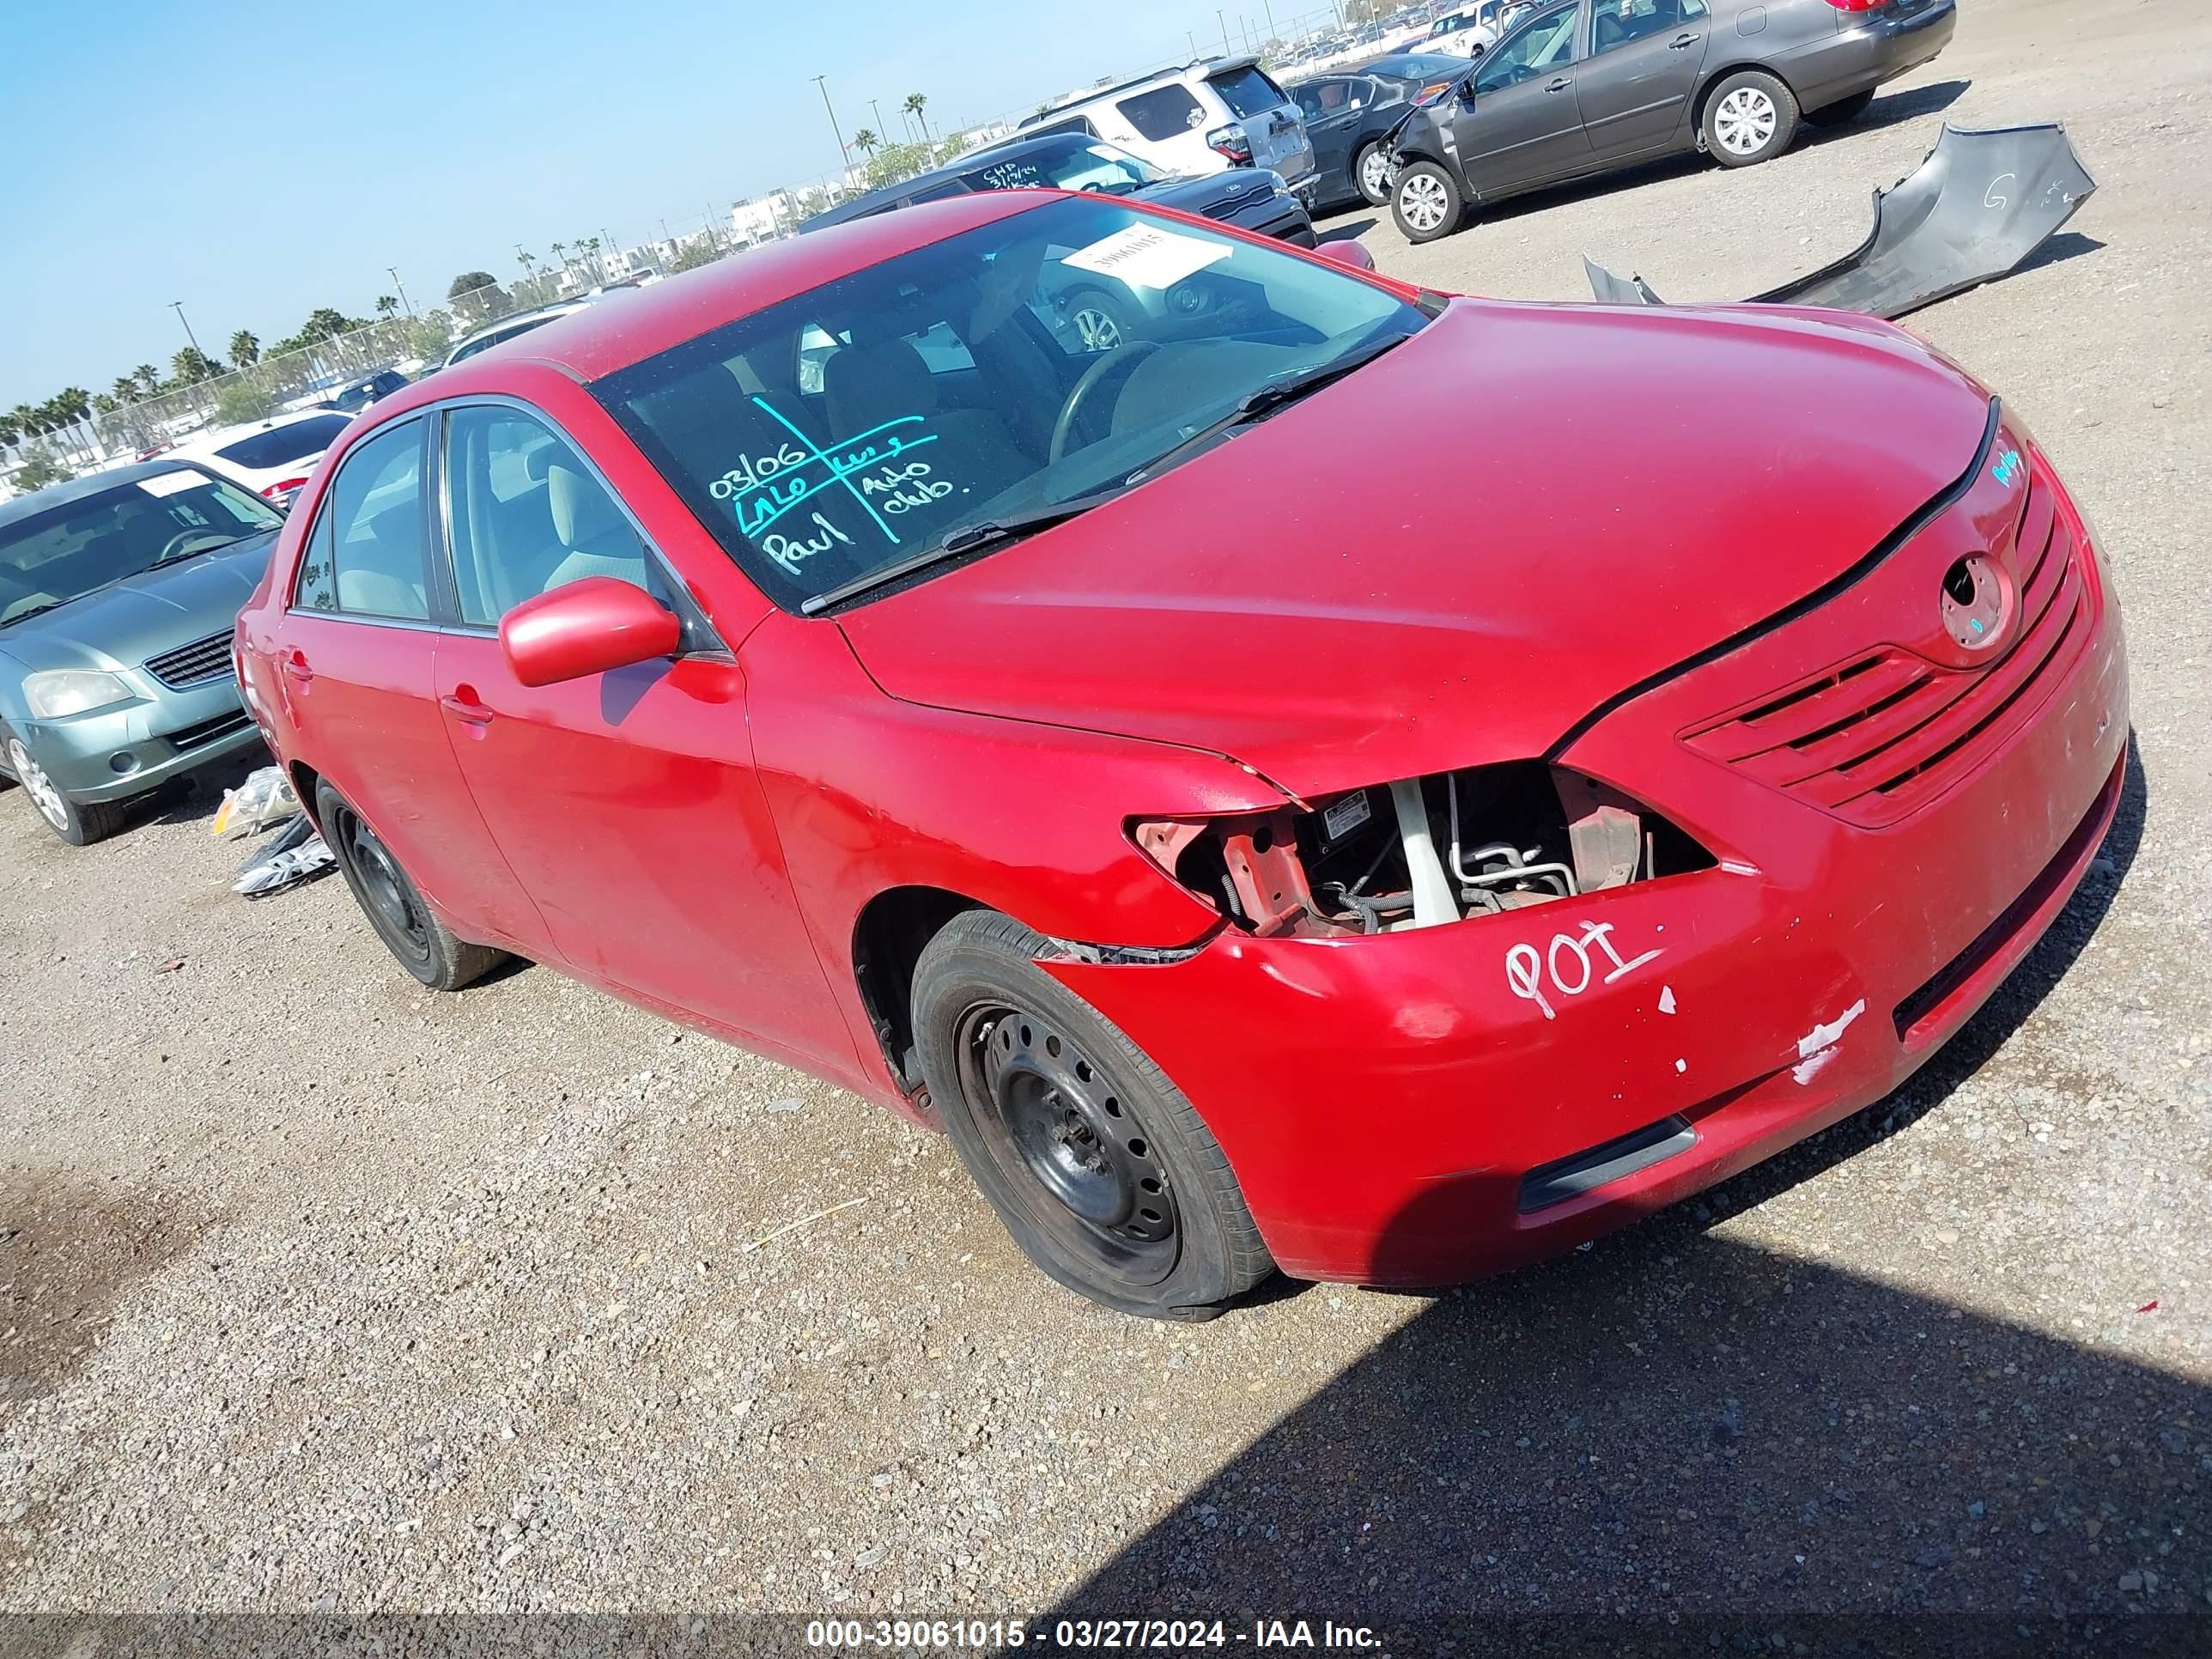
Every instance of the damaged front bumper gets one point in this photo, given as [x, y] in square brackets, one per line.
[1426, 1106]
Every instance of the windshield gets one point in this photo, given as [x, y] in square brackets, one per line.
[67, 551]
[1070, 163]
[993, 375]
[281, 445]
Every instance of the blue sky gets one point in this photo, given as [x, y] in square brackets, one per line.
[256, 160]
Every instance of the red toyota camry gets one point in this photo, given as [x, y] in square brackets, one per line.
[1345, 779]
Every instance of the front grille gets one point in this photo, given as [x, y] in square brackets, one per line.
[1875, 739]
[194, 737]
[192, 665]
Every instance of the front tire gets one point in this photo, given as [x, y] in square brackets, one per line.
[1101, 1171]
[388, 897]
[78, 822]
[1749, 118]
[1371, 174]
[1426, 201]
[1842, 110]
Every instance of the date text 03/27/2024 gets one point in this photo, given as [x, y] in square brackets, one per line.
[1087, 1635]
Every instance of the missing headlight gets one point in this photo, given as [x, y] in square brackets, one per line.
[1422, 852]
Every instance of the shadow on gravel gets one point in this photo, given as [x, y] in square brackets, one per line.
[1346, 230]
[1676, 1425]
[2066, 245]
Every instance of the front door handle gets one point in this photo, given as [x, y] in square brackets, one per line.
[464, 707]
[1561, 84]
[1681, 40]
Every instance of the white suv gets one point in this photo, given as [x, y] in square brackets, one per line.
[1206, 117]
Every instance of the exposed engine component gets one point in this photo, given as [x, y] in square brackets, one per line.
[1422, 852]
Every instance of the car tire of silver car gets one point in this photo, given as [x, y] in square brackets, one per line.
[388, 897]
[1100, 1168]
[1426, 201]
[78, 822]
[1750, 117]
[1371, 174]
[1842, 110]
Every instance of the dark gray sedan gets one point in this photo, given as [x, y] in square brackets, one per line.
[118, 596]
[1580, 87]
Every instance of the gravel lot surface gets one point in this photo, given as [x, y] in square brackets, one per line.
[323, 1293]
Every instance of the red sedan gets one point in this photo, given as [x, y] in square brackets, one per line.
[1346, 779]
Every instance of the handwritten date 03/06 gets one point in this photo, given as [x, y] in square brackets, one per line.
[1569, 967]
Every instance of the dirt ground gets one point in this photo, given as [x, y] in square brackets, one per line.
[326, 1294]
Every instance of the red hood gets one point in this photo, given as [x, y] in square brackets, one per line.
[1454, 553]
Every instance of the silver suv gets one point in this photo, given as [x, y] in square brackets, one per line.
[1206, 117]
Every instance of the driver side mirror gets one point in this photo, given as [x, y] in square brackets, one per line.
[1345, 251]
[586, 626]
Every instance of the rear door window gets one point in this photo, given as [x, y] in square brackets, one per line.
[366, 555]
[1247, 92]
[1163, 112]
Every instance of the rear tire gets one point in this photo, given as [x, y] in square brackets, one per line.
[1750, 118]
[1099, 1168]
[1842, 110]
[1426, 201]
[1375, 160]
[78, 822]
[388, 897]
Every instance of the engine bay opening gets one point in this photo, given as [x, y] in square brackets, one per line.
[1422, 852]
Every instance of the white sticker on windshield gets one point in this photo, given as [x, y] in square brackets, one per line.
[1145, 256]
[168, 483]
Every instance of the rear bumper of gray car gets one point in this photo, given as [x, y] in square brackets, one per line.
[112, 753]
[1863, 55]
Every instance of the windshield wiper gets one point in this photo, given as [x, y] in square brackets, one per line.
[1266, 397]
[36, 610]
[958, 543]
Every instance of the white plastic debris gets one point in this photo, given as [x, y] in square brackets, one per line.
[265, 799]
[294, 854]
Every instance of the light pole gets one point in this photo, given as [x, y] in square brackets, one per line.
[822, 81]
[178, 306]
[402, 287]
[1221, 19]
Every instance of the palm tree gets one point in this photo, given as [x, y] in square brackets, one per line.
[915, 103]
[126, 389]
[865, 139]
[386, 305]
[245, 348]
[589, 247]
[11, 433]
[148, 376]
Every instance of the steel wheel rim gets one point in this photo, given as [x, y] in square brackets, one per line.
[36, 785]
[1421, 199]
[383, 892]
[1072, 1149]
[1375, 175]
[1098, 330]
[1745, 121]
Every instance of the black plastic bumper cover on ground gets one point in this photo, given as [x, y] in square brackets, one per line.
[1980, 204]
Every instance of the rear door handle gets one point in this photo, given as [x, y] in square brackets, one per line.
[464, 707]
[1561, 84]
[1681, 40]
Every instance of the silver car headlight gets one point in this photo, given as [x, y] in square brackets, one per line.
[56, 692]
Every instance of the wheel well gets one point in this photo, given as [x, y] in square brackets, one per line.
[1705, 92]
[304, 779]
[888, 940]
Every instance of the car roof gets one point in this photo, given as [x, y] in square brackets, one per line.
[556, 308]
[860, 206]
[1204, 67]
[207, 441]
[78, 489]
[594, 340]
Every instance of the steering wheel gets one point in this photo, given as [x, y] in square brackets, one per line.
[1126, 354]
[181, 543]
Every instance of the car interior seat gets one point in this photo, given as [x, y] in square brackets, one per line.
[597, 539]
[865, 386]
